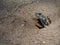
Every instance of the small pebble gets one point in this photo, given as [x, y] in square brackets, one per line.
[22, 25]
[44, 42]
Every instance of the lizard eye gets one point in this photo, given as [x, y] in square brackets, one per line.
[39, 13]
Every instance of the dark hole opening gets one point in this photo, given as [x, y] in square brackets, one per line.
[39, 22]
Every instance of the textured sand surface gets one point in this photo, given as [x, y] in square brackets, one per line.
[17, 26]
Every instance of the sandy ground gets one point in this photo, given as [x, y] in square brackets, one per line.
[17, 26]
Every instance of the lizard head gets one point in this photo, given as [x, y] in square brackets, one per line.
[38, 14]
